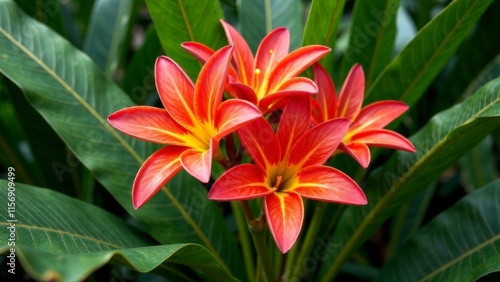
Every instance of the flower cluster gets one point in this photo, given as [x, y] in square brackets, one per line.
[288, 163]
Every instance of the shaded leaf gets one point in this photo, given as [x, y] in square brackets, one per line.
[106, 33]
[447, 137]
[410, 73]
[479, 166]
[178, 21]
[257, 18]
[460, 244]
[60, 238]
[75, 98]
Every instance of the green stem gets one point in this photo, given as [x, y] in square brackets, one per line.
[258, 231]
[245, 241]
[308, 243]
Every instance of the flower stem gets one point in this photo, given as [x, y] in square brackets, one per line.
[245, 241]
[258, 231]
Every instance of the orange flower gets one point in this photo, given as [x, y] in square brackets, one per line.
[288, 166]
[366, 124]
[192, 123]
[272, 74]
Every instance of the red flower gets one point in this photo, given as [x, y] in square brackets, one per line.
[192, 123]
[288, 166]
[271, 75]
[366, 124]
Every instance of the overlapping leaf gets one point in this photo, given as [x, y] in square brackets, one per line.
[447, 137]
[460, 244]
[410, 73]
[75, 98]
[63, 239]
[178, 21]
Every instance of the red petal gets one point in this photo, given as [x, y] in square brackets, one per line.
[358, 151]
[210, 85]
[198, 163]
[259, 140]
[318, 144]
[176, 91]
[383, 138]
[352, 93]
[284, 214]
[379, 114]
[232, 115]
[203, 53]
[272, 49]
[327, 96]
[155, 172]
[295, 122]
[327, 184]
[241, 91]
[293, 87]
[242, 182]
[293, 64]
[150, 124]
[242, 54]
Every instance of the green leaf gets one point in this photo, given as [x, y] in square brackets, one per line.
[372, 36]
[447, 137]
[460, 244]
[410, 73]
[75, 98]
[479, 166]
[45, 11]
[140, 86]
[178, 21]
[60, 238]
[323, 30]
[257, 18]
[106, 33]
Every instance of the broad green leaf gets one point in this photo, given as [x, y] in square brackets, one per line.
[410, 73]
[140, 86]
[322, 25]
[475, 54]
[106, 33]
[47, 12]
[479, 166]
[460, 244]
[61, 238]
[371, 41]
[178, 21]
[258, 17]
[75, 98]
[447, 137]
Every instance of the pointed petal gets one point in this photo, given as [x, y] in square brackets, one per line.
[327, 96]
[242, 182]
[232, 115]
[293, 87]
[284, 214]
[318, 144]
[155, 172]
[294, 63]
[327, 184]
[176, 91]
[383, 138]
[359, 152]
[198, 163]
[272, 49]
[259, 140]
[379, 114]
[150, 124]
[203, 53]
[295, 122]
[352, 93]
[210, 85]
[242, 55]
[241, 91]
